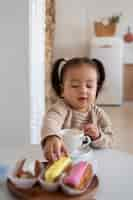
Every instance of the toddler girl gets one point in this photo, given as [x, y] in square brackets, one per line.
[77, 82]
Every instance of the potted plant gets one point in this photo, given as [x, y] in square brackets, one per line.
[107, 26]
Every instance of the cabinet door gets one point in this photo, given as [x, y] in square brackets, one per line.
[128, 82]
[112, 60]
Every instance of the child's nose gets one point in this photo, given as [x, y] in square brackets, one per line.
[83, 89]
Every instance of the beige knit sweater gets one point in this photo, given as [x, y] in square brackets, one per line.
[61, 116]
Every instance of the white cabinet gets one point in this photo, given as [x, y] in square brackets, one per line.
[110, 52]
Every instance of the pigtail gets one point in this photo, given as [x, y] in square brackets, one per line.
[101, 72]
[55, 79]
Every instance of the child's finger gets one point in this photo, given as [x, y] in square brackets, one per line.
[47, 155]
[88, 126]
[90, 132]
[87, 130]
[46, 152]
[91, 128]
[52, 154]
[64, 150]
[57, 149]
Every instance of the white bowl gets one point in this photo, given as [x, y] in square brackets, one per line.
[71, 191]
[21, 182]
[50, 187]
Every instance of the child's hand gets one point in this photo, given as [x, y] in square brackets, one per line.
[92, 131]
[54, 148]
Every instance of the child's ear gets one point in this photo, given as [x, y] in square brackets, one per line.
[62, 90]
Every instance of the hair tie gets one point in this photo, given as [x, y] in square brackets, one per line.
[60, 68]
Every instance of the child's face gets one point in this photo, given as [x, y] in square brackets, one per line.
[79, 87]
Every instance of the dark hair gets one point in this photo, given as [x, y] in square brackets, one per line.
[57, 81]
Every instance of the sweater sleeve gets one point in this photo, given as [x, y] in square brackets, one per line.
[53, 121]
[105, 129]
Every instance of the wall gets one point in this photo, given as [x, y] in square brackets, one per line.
[74, 26]
[14, 73]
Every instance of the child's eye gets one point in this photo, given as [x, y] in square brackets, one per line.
[75, 86]
[89, 86]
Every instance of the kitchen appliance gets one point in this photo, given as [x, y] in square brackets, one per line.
[109, 50]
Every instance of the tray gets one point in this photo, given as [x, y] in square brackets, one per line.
[36, 193]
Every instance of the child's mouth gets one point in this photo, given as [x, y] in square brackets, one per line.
[82, 99]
